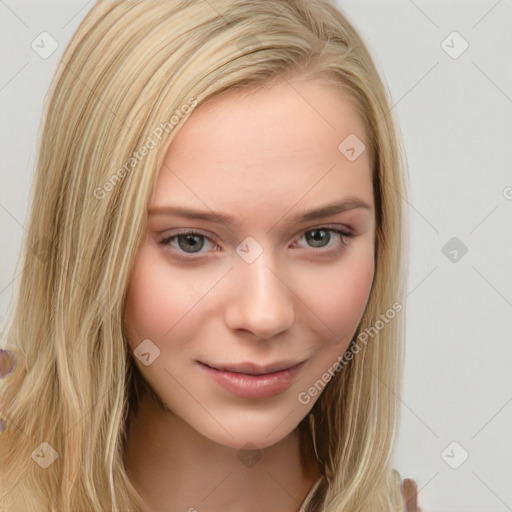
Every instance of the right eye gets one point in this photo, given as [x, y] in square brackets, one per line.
[187, 242]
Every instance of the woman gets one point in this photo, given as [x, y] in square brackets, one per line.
[210, 315]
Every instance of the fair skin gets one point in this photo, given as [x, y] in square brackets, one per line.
[262, 159]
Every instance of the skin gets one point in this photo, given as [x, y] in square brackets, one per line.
[262, 158]
[410, 495]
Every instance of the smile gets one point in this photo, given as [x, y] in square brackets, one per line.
[251, 381]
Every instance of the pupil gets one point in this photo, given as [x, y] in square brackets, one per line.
[192, 241]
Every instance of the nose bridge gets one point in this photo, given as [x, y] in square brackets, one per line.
[261, 301]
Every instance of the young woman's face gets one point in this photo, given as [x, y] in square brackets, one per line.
[271, 284]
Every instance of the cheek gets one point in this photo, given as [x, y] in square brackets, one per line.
[156, 300]
[340, 307]
[341, 301]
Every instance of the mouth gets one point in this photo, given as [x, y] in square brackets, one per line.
[251, 381]
[253, 369]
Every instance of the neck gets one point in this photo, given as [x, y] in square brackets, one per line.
[175, 468]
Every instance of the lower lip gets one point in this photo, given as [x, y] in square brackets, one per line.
[254, 386]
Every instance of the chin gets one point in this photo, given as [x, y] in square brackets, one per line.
[244, 429]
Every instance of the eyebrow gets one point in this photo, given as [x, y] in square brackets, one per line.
[310, 215]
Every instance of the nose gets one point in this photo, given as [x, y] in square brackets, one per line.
[261, 301]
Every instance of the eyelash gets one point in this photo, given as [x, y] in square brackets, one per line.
[345, 237]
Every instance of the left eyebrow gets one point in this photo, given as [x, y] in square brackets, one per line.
[352, 203]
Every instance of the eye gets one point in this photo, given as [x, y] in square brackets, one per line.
[326, 236]
[189, 242]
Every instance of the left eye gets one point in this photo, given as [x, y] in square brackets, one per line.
[192, 242]
[320, 237]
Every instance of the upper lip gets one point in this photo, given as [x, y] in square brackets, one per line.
[254, 369]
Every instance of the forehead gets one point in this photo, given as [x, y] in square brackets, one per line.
[267, 148]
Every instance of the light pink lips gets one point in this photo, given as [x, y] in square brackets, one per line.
[253, 384]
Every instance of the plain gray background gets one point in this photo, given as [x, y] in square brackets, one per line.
[455, 112]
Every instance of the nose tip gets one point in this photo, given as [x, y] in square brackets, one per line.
[261, 301]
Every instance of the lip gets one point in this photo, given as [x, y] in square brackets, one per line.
[248, 380]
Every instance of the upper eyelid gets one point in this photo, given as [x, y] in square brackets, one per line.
[329, 227]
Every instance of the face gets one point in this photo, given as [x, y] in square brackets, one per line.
[247, 287]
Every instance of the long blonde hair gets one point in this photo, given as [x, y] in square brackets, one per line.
[129, 79]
